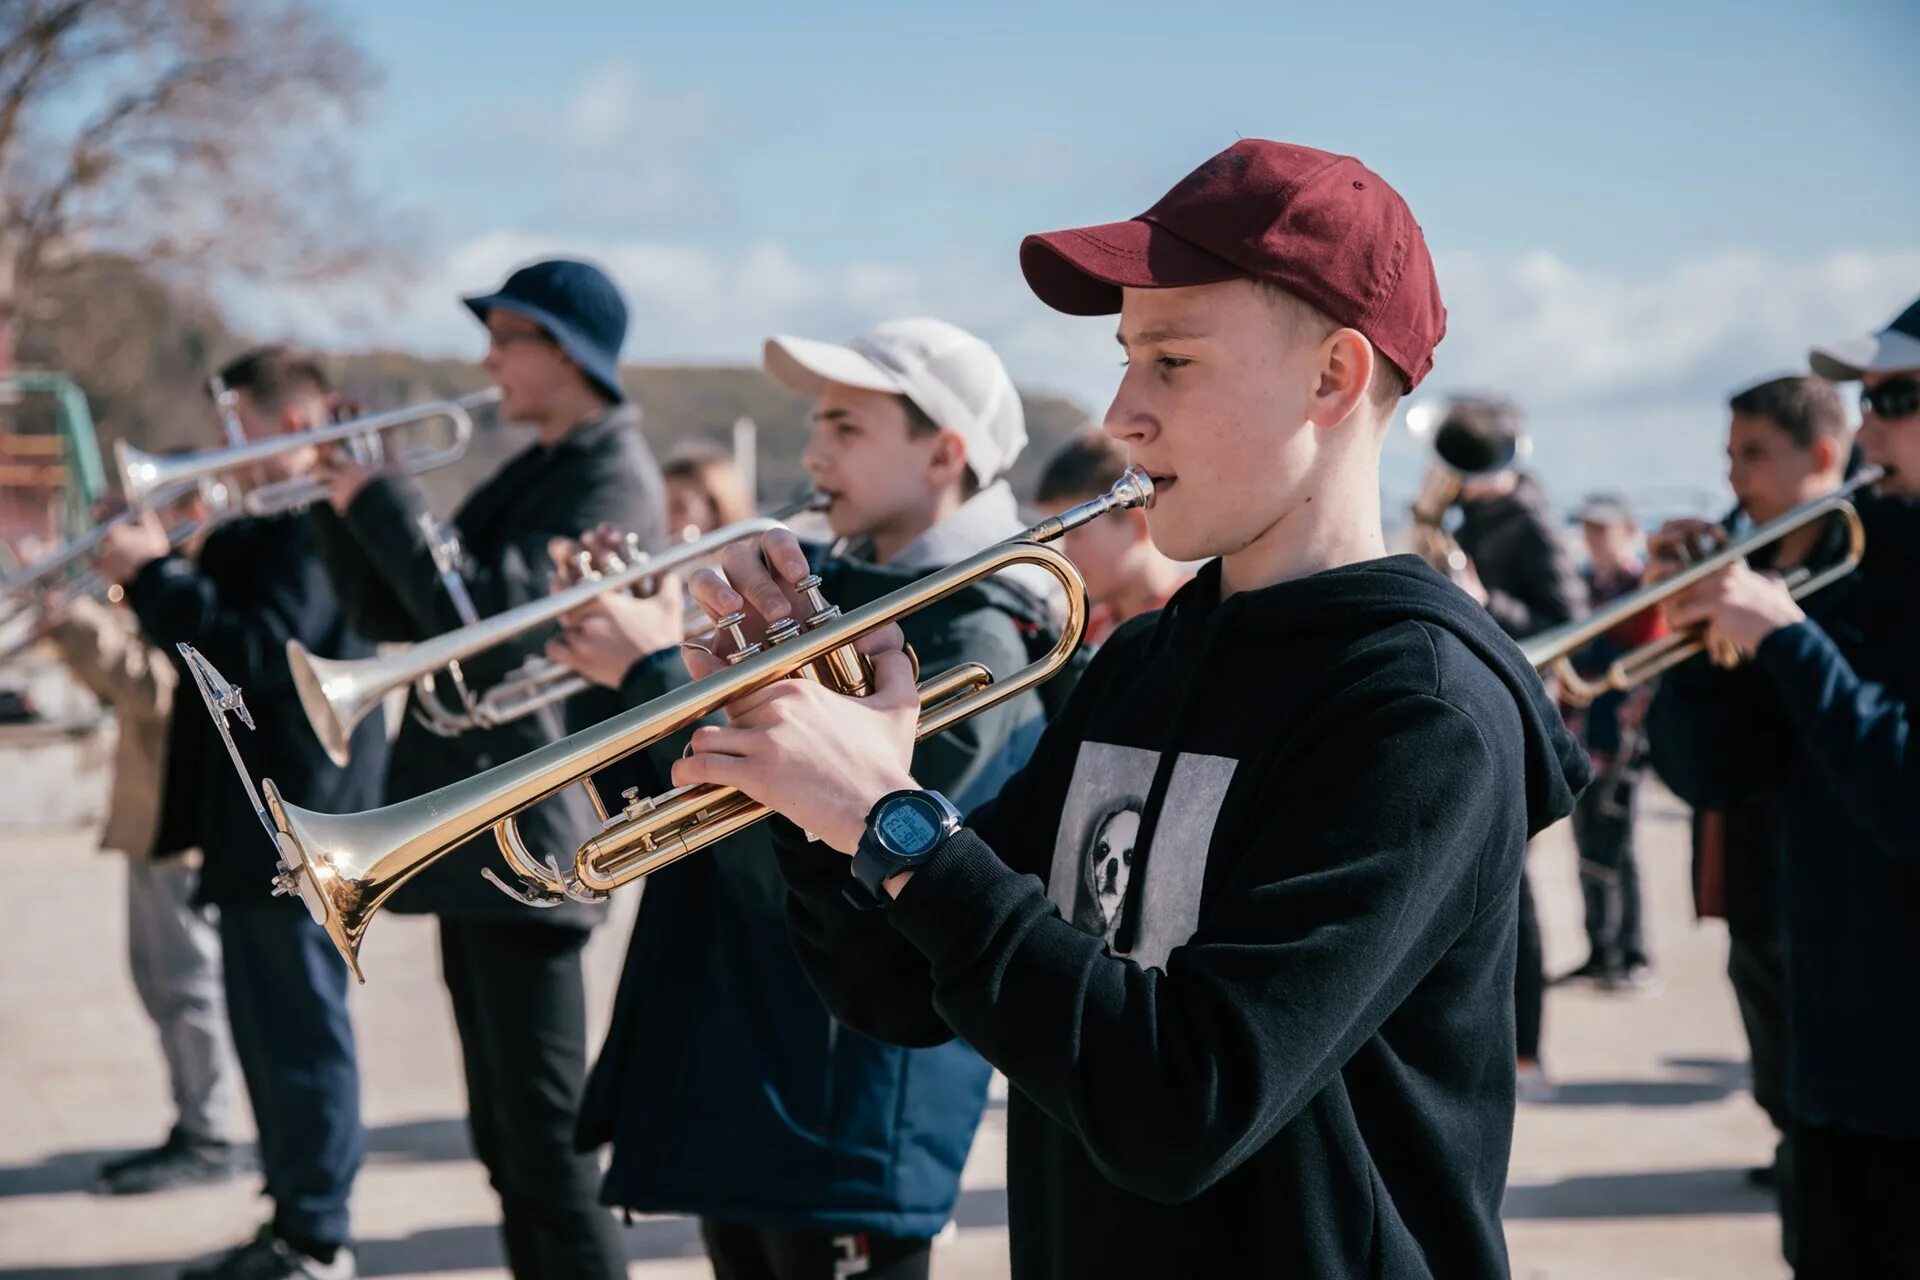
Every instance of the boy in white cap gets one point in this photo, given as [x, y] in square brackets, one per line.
[726, 1088]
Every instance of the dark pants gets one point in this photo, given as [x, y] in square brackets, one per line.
[1529, 976]
[287, 1003]
[1859, 1198]
[1610, 874]
[740, 1251]
[520, 1004]
[1754, 966]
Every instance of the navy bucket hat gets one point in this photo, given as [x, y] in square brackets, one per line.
[577, 305]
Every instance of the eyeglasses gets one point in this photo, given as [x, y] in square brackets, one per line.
[1892, 400]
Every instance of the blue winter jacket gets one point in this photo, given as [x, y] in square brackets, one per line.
[1824, 715]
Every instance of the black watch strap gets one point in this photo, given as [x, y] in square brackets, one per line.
[874, 861]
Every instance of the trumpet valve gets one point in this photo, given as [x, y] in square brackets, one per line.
[731, 624]
[637, 805]
[816, 601]
[782, 631]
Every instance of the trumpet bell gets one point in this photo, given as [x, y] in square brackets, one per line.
[333, 696]
[142, 475]
[309, 844]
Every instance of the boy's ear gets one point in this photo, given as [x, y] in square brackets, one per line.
[1345, 373]
[948, 461]
[1826, 453]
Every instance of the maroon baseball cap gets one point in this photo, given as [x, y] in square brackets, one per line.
[1321, 226]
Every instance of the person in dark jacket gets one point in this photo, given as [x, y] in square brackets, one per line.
[255, 585]
[1828, 721]
[1239, 933]
[1787, 443]
[1517, 566]
[1613, 728]
[512, 969]
[727, 1089]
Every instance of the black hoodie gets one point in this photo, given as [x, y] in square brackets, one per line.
[1241, 936]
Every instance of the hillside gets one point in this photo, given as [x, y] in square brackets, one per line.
[142, 347]
[679, 403]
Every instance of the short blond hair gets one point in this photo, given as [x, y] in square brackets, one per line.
[1308, 323]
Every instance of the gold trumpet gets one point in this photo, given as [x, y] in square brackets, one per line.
[146, 477]
[345, 866]
[338, 693]
[1551, 652]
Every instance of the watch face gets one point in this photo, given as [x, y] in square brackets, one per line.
[909, 826]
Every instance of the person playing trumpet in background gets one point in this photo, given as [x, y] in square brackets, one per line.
[1788, 442]
[512, 970]
[1513, 562]
[718, 1045]
[1823, 714]
[257, 583]
[1612, 727]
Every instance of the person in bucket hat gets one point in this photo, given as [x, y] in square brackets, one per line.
[513, 970]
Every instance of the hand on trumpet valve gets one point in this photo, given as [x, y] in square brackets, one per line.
[602, 639]
[757, 577]
[343, 475]
[819, 757]
[130, 546]
[1737, 608]
[1678, 544]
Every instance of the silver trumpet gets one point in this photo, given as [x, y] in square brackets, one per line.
[148, 479]
[39, 587]
[337, 693]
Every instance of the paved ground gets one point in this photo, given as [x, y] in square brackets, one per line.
[1635, 1171]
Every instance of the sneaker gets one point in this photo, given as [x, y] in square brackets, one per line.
[1634, 980]
[268, 1257]
[1593, 970]
[181, 1161]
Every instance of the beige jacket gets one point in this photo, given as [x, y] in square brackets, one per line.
[106, 652]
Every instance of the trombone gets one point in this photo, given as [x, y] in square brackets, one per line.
[144, 476]
[1551, 652]
[337, 693]
[345, 866]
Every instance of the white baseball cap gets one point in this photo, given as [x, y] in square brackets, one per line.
[1895, 349]
[953, 377]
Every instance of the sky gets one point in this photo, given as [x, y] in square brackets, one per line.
[1634, 209]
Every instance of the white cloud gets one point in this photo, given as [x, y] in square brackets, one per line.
[1624, 375]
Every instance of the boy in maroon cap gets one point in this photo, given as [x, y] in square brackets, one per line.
[1241, 934]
